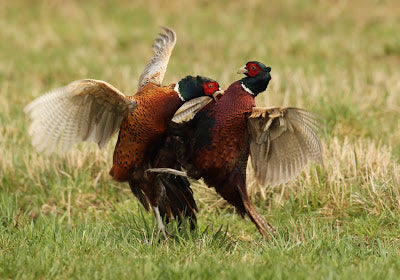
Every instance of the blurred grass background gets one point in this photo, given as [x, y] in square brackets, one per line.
[63, 217]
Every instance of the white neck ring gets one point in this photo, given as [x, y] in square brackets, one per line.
[247, 89]
[176, 88]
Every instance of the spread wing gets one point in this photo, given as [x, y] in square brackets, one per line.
[155, 69]
[282, 142]
[83, 110]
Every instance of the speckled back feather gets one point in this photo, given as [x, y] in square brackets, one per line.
[141, 130]
[220, 131]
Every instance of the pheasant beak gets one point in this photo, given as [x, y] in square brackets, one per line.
[217, 93]
[242, 70]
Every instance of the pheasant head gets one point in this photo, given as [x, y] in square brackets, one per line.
[257, 77]
[191, 87]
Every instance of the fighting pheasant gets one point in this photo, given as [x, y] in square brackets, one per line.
[95, 110]
[217, 142]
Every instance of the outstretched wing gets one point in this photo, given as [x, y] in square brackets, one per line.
[155, 69]
[282, 142]
[83, 110]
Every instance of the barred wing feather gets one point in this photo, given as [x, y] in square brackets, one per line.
[81, 111]
[283, 141]
[155, 70]
[190, 108]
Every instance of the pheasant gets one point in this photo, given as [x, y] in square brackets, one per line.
[95, 110]
[217, 142]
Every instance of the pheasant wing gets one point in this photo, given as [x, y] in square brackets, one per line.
[282, 142]
[190, 108]
[83, 110]
[155, 69]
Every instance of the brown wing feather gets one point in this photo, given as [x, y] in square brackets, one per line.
[155, 70]
[83, 110]
[283, 141]
[190, 108]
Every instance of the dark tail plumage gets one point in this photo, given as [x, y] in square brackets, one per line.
[178, 202]
[140, 195]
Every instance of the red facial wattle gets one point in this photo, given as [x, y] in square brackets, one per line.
[210, 88]
[252, 69]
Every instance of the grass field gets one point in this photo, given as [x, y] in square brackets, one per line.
[62, 217]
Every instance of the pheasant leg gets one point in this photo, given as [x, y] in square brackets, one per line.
[161, 227]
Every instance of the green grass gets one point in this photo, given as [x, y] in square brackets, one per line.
[63, 217]
[124, 246]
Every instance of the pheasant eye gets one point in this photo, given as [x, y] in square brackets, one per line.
[253, 69]
[209, 88]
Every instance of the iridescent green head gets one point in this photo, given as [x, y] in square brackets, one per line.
[191, 87]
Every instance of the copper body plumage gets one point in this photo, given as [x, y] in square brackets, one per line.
[95, 110]
[141, 130]
[217, 143]
[222, 162]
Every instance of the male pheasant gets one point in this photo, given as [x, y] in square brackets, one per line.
[218, 141]
[95, 110]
